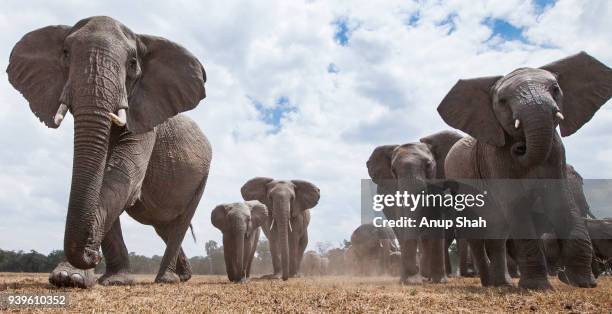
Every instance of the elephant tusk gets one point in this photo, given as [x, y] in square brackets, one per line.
[61, 113]
[119, 118]
[517, 123]
[560, 115]
[272, 224]
[290, 229]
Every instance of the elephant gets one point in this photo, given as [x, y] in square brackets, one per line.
[411, 167]
[600, 232]
[511, 124]
[240, 224]
[372, 247]
[133, 151]
[289, 204]
[314, 264]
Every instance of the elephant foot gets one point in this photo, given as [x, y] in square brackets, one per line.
[505, 281]
[443, 279]
[184, 276]
[574, 279]
[468, 273]
[271, 276]
[416, 279]
[535, 283]
[168, 277]
[241, 280]
[116, 279]
[65, 275]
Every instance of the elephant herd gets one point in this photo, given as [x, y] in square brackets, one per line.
[134, 152]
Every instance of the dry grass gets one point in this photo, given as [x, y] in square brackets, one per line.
[325, 294]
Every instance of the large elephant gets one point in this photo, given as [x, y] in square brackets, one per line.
[132, 152]
[372, 248]
[512, 124]
[600, 232]
[289, 204]
[239, 223]
[410, 167]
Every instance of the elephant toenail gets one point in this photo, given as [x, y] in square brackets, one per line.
[77, 280]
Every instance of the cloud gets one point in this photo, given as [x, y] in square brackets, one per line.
[302, 90]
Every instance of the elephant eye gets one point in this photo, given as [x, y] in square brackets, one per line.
[66, 53]
[555, 90]
[133, 62]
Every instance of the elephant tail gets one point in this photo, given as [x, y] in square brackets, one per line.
[193, 233]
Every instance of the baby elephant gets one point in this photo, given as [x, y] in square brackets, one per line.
[240, 224]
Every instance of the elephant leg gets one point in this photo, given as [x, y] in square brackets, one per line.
[437, 268]
[175, 232]
[466, 268]
[183, 268]
[297, 254]
[410, 269]
[275, 255]
[481, 261]
[447, 264]
[116, 258]
[532, 264]
[251, 255]
[498, 266]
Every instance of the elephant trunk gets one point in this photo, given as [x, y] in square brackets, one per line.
[281, 209]
[240, 234]
[83, 232]
[93, 95]
[538, 129]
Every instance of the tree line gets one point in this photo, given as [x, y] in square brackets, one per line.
[211, 264]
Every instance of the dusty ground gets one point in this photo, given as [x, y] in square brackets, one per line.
[325, 294]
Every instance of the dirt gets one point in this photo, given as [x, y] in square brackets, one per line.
[316, 295]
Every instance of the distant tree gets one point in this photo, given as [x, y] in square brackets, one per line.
[323, 247]
[210, 247]
[262, 262]
[346, 243]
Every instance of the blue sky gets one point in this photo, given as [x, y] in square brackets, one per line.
[298, 90]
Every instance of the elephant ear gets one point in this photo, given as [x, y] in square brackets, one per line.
[379, 163]
[259, 212]
[586, 84]
[35, 69]
[440, 144]
[172, 81]
[468, 107]
[306, 196]
[256, 189]
[218, 216]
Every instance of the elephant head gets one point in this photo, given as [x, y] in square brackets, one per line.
[285, 200]
[522, 109]
[410, 165]
[104, 74]
[238, 222]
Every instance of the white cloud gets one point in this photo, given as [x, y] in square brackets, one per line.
[391, 76]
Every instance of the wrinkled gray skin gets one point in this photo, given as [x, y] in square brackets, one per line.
[372, 248]
[600, 231]
[155, 167]
[405, 168]
[575, 184]
[314, 264]
[239, 223]
[289, 204]
[487, 109]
